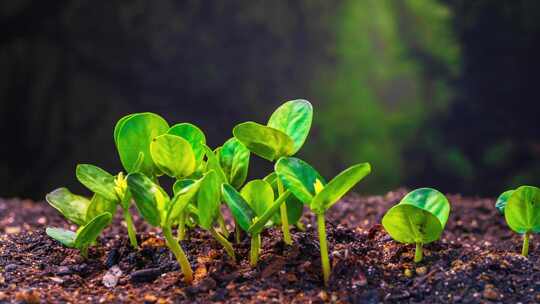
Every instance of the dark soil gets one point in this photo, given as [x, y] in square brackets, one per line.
[477, 261]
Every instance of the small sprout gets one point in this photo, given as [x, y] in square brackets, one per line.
[308, 186]
[500, 204]
[419, 219]
[92, 215]
[234, 159]
[173, 155]
[522, 212]
[283, 135]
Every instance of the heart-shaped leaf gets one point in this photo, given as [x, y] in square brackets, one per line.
[208, 199]
[173, 155]
[66, 237]
[73, 207]
[295, 207]
[294, 119]
[149, 198]
[266, 142]
[260, 222]
[89, 232]
[338, 186]
[118, 126]
[419, 217]
[299, 177]
[502, 200]
[522, 211]
[234, 159]
[259, 195]
[99, 205]
[134, 136]
[193, 135]
[240, 209]
[97, 180]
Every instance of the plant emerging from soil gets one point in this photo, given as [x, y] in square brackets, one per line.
[419, 219]
[521, 209]
[309, 187]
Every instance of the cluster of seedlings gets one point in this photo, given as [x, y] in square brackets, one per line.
[205, 178]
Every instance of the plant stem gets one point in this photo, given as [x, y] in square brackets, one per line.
[254, 250]
[284, 218]
[181, 229]
[222, 225]
[325, 261]
[237, 232]
[179, 254]
[223, 241]
[300, 226]
[130, 228]
[418, 253]
[525, 248]
[84, 252]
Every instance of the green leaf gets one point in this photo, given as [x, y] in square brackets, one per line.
[118, 126]
[502, 200]
[299, 177]
[134, 136]
[260, 222]
[180, 201]
[193, 135]
[179, 185]
[173, 155]
[234, 159]
[97, 180]
[99, 205]
[66, 237]
[240, 209]
[522, 211]
[259, 195]
[294, 119]
[89, 232]
[295, 207]
[212, 163]
[266, 142]
[149, 199]
[208, 199]
[338, 186]
[419, 217]
[73, 207]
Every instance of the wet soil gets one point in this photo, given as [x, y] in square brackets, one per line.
[476, 261]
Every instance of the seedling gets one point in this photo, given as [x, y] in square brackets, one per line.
[253, 208]
[419, 219]
[92, 215]
[521, 209]
[309, 187]
[283, 135]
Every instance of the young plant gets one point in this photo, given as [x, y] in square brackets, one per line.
[253, 208]
[309, 187]
[283, 135]
[92, 215]
[159, 210]
[419, 219]
[521, 209]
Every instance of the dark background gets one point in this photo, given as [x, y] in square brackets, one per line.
[432, 93]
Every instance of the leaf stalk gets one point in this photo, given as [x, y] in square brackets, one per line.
[325, 261]
[224, 242]
[525, 247]
[418, 253]
[254, 249]
[284, 218]
[179, 253]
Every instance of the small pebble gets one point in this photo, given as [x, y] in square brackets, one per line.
[28, 296]
[11, 267]
[145, 275]
[63, 270]
[149, 298]
[324, 295]
[12, 230]
[408, 273]
[490, 293]
[110, 279]
[57, 280]
[421, 270]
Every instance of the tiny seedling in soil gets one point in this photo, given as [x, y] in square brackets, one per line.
[283, 135]
[419, 219]
[91, 215]
[521, 209]
[309, 187]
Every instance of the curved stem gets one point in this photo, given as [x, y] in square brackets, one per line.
[418, 253]
[84, 251]
[130, 228]
[181, 229]
[284, 218]
[325, 261]
[179, 254]
[254, 249]
[525, 248]
[237, 233]
[222, 225]
[223, 241]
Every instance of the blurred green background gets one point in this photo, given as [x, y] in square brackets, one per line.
[432, 93]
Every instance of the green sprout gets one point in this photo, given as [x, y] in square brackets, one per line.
[283, 135]
[521, 209]
[309, 187]
[91, 215]
[253, 209]
[419, 219]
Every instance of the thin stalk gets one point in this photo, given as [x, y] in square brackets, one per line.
[179, 254]
[130, 228]
[84, 251]
[237, 233]
[181, 229]
[254, 250]
[525, 248]
[284, 218]
[222, 225]
[418, 253]
[300, 226]
[223, 241]
[325, 261]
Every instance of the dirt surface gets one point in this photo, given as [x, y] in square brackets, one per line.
[477, 261]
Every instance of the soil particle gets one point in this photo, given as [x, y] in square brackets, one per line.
[145, 275]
